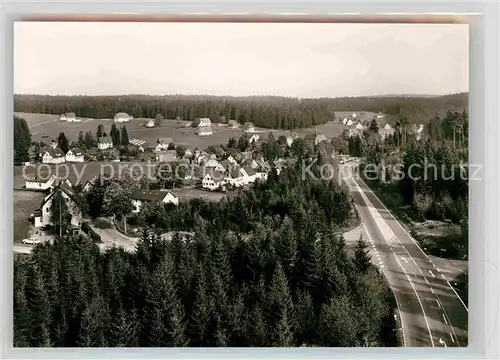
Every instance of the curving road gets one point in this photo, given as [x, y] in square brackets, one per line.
[431, 312]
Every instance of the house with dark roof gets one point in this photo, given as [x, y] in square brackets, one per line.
[141, 196]
[74, 155]
[213, 179]
[43, 217]
[53, 156]
[122, 117]
[249, 175]
[104, 142]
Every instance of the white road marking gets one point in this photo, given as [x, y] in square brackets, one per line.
[420, 271]
[439, 304]
[406, 261]
[444, 318]
[427, 281]
[443, 276]
[412, 239]
[432, 274]
[452, 340]
[432, 291]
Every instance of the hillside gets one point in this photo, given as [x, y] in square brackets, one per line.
[264, 111]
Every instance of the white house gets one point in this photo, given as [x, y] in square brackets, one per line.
[253, 139]
[344, 121]
[150, 123]
[387, 126]
[37, 183]
[235, 176]
[139, 197]
[359, 126]
[162, 144]
[233, 124]
[74, 155]
[204, 130]
[104, 143]
[213, 180]
[249, 175]
[349, 122]
[188, 153]
[354, 115]
[53, 156]
[380, 116]
[69, 117]
[214, 164]
[43, 216]
[203, 122]
[122, 117]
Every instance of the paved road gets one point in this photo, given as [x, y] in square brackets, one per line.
[431, 312]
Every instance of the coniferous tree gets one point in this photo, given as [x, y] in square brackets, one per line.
[115, 135]
[124, 136]
[63, 142]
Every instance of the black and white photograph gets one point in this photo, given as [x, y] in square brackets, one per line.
[240, 184]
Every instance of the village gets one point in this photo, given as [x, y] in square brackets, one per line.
[172, 169]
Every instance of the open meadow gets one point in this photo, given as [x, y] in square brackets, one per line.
[45, 127]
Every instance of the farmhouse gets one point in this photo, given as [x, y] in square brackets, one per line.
[139, 197]
[74, 155]
[354, 115]
[150, 124]
[349, 122]
[249, 174]
[69, 117]
[104, 142]
[233, 124]
[213, 180]
[204, 130]
[122, 117]
[359, 126]
[43, 217]
[188, 153]
[200, 122]
[344, 121]
[235, 177]
[166, 156]
[40, 183]
[162, 144]
[53, 156]
[290, 139]
[232, 160]
[380, 116]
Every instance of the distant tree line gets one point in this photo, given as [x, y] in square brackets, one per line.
[269, 112]
[265, 268]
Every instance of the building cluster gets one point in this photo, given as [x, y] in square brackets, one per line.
[54, 155]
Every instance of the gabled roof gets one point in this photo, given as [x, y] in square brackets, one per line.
[76, 151]
[61, 186]
[215, 175]
[150, 195]
[55, 153]
[164, 141]
[249, 170]
[234, 172]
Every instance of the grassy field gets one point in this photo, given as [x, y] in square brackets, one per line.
[188, 194]
[25, 203]
[45, 127]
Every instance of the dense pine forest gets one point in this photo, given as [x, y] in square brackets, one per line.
[263, 111]
[265, 268]
[431, 182]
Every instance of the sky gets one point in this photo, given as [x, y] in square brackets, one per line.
[239, 59]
